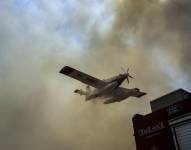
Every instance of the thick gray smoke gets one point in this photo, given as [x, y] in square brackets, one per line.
[37, 38]
[162, 28]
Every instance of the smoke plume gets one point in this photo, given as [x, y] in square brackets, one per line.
[37, 38]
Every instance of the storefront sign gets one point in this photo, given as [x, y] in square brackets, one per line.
[151, 129]
[174, 109]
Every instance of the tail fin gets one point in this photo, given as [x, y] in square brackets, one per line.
[88, 89]
[81, 92]
[86, 93]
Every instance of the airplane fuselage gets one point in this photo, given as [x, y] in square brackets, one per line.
[119, 79]
[102, 91]
[111, 84]
[109, 88]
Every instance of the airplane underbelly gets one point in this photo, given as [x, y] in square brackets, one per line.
[108, 89]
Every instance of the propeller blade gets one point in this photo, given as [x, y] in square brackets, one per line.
[130, 76]
[128, 80]
[127, 74]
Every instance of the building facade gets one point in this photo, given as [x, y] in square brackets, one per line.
[168, 127]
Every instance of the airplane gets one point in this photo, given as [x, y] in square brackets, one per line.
[109, 89]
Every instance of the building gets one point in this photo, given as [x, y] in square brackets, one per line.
[168, 126]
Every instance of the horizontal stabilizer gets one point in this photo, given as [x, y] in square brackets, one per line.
[140, 94]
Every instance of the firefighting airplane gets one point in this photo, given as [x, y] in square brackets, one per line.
[109, 89]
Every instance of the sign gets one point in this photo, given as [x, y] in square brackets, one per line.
[151, 129]
[174, 109]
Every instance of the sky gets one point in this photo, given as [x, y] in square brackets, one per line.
[38, 37]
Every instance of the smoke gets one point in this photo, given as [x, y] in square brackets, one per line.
[162, 29]
[37, 38]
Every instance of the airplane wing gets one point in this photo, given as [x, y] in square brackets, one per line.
[137, 93]
[84, 78]
[109, 101]
[122, 92]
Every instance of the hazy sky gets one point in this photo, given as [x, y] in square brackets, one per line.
[38, 37]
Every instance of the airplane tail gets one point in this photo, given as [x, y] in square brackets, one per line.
[86, 93]
[88, 89]
[81, 92]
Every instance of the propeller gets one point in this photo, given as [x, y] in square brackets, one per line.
[127, 73]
